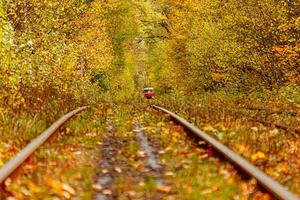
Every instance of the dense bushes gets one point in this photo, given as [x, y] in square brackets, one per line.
[49, 51]
[240, 46]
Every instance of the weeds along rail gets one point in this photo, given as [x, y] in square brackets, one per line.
[265, 181]
[266, 123]
[20, 157]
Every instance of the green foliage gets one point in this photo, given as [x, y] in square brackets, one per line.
[101, 80]
[121, 29]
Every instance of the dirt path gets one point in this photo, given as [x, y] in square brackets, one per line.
[128, 167]
[107, 172]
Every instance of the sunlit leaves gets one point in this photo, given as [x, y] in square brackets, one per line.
[50, 50]
[217, 45]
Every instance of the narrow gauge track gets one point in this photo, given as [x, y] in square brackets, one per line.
[265, 181]
[21, 157]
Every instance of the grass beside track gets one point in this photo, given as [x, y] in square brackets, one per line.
[67, 166]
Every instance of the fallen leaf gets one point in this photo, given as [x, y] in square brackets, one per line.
[161, 152]
[107, 192]
[170, 174]
[254, 129]
[77, 153]
[131, 193]
[210, 190]
[118, 169]
[274, 131]
[141, 183]
[68, 188]
[68, 130]
[160, 124]
[263, 197]
[97, 187]
[25, 191]
[163, 189]
[257, 156]
[54, 184]
[66, 195]
[33, 187]
[109, 111]
[209, 128]
[141, 154]
[7, 182]
[282, 167]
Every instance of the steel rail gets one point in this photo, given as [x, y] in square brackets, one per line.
[265, 181]
[20, 157]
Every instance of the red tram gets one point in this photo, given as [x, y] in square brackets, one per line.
[149, 92]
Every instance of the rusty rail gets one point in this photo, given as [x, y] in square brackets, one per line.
[265, 181]
[18, 159]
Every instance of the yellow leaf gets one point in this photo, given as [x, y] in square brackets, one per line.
[160, 124]
[282, 167]
[68, 130]
[109, 111]
[209, 128]
[68, 188]
[34, 188]
[169, 174]
[54, 184]
[258, 156]
[261, 155]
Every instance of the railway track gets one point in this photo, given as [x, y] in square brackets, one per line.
[21, 157]
[273, 187]
[265, 181]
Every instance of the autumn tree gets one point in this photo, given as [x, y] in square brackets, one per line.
[50, 51]
[228, 45]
